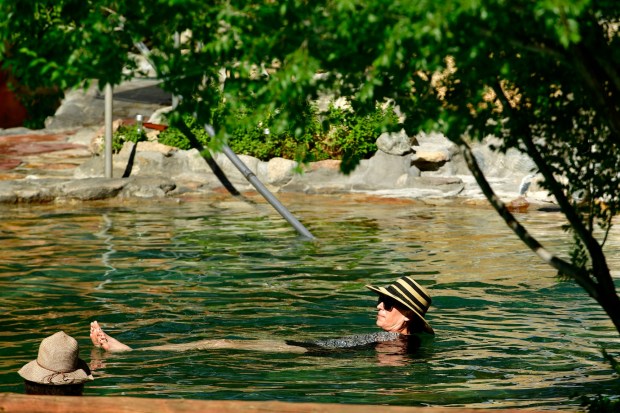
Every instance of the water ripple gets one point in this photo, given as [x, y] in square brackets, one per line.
[508, 333]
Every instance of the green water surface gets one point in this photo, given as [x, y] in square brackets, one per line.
[158, 272]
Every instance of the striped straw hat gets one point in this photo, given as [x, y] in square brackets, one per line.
[411, 295]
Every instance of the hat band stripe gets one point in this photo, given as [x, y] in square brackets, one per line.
[412, 294]
[413, 302]
[418, 289]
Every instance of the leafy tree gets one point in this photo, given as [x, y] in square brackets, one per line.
[541, 75]
[50, 46]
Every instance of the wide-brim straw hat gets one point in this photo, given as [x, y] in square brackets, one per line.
[58, 362]
[411, 295]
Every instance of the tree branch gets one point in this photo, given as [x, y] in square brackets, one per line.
[578, 274]
[597, 258]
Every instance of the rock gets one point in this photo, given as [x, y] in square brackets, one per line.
[91, 189]
[428, 165]
[97, 142]
[149, 187]
[143, 65]
[86, 107]
[319, 177]
[231, 171]
[396, 143]
[384, 170]
[280, 171]
[148, 164]
[519, 204]
[426, 160]
[36, 192]
[156, 147]
[159, 116]
[327, 165]
[432, 152]
[425, 187]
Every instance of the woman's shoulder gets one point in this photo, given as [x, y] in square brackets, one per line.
[357, 340]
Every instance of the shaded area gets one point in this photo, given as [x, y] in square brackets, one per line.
[13, 112]
[145, 94]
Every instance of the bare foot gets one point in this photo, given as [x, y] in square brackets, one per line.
[104, 341]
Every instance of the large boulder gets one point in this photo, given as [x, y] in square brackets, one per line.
[395, 143]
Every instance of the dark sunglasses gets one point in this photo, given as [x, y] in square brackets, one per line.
[388, 303]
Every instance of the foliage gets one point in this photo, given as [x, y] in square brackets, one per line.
[326, 136]
[172, 136]
[600, 404]
[127, 133]
[50, 46]
[258, 139]
[542, 75]
[39, 104]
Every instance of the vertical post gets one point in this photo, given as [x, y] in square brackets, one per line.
[139, 121]
[108, 131]
[177, 44]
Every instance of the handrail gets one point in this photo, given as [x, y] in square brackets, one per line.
[245, 171]
[253, 179]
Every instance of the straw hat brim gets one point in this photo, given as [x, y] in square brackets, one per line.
[37, 374]
[383, 291]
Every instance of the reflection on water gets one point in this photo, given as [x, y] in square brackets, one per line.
[508, 334]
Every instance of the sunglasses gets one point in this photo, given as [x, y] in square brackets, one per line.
[388, 303]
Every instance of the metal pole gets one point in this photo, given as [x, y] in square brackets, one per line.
[108, 131]
[139, 120]
[245, 171]
[249, 175]
[177, 44]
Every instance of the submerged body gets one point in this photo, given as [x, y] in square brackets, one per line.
[400, 314]
[408, 343]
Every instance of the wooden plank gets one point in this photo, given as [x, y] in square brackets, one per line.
[19, 403]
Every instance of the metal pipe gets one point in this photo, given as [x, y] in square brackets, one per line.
[139, 127]
[253, 179]
[108, 131]
[177, 44]
[245, 171]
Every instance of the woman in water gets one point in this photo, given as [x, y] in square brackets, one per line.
[400, 314]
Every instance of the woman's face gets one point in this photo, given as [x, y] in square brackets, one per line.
[389, 316]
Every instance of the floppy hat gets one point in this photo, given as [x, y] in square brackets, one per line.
[57, 363]
[411, 295]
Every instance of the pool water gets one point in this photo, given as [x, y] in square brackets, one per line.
[508, 333]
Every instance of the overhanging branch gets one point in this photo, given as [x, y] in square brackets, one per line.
[566, 268]
[597, 258]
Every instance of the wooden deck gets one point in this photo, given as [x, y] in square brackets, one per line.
[19, 403]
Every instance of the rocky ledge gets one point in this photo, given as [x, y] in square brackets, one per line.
[425, 166]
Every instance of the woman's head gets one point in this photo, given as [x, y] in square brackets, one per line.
[402, 306]
[57, 364]
[30, 387]
[390, 316]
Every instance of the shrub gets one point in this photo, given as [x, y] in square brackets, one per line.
[126, 133]
[325, 136]
[348, 133]
[174, 137]
[331, 135]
